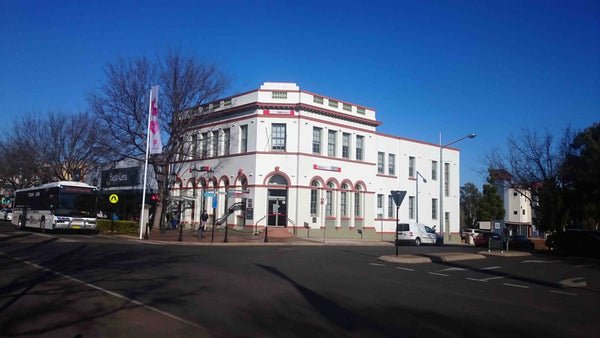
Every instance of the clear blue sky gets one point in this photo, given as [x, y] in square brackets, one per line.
[455, 67]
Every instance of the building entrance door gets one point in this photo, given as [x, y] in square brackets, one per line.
[277, 207]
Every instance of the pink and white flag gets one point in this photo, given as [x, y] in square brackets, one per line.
[155, 140]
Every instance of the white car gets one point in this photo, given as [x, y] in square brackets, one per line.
[416, 233]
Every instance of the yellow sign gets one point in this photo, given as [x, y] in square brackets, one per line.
[114, 198]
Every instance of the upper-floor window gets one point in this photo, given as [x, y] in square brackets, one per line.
[434, 170]
[331, 142]
[318, 99]
[346, 107]
[204, 145]
[346, 145]
[226, 140]
[391, 164]
[333, 104]
[411, 166]
[278, 137]
[227, 102]
[380, 162]
[194, 145]
[244, 138]
[360, 140]
[446, 179]
[216, 105]
[279, 95]
[411, 207]
[215, 143]
[360, 110]
[316, 144]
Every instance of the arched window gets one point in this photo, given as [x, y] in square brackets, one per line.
[330, 203]
[314, 197]
[344, 200]
[277, 180]
[358, 201]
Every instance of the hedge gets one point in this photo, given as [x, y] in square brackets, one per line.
[119, 227]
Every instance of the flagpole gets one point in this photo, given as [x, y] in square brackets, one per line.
[146, 166]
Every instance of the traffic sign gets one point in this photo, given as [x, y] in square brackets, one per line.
[215, 201]
[114, 198]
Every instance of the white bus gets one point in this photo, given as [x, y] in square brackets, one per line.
[57, 205]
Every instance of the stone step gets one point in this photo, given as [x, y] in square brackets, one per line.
[279, 232]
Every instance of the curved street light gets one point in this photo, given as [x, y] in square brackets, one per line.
[442, 225]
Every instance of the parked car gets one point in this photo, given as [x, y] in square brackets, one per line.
[468, 235]
[484, 237]
[576, 241]
[520, 242]
[417, 234]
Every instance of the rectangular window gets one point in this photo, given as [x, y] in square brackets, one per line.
[227, 102]
[313, 202]
[434, 170]
[215, 143]
[390, 206]
[360, 140]
[204, 145]
[411, 207]
[226, 141]
[318, 99]
[346, 107]
[244, 138]
[333, 104]
[328, 208]
[391, 164]
[523, 211]
[360, 110]
[331, 142]
[434, 210]
[515, 212]
[380, 162]
[279, 95]
[515, 193]
[278, 137]
[316, 145]
[447, 222]
[195, 146]
[357, 206]
[216, 105]
[344, 204]
[446, 179]
[411, 167]
[379, 205]
[346, 145]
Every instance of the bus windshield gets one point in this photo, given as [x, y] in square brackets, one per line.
[76, 204]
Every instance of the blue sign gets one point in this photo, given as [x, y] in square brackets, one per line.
[215, 200]
[209, 194]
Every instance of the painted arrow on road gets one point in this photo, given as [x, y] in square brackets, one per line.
[577, 282]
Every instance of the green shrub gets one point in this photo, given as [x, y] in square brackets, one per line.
[118, 227]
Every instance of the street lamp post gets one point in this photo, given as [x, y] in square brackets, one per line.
[442, 183]
[417, 192]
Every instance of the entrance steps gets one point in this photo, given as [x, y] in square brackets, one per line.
[278, 232]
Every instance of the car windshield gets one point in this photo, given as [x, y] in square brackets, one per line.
[76, 204]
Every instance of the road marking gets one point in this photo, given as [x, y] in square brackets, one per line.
[491, 268]
[454, 269]
[563, 293]
[377, 264]
[577, 282]
[3, 235]
[485, 279]
[407, 269]
[539, 261]
[65, 240]
[584, 265]
[517, 285]
[105, 291]
[42, 235]
[477, 280]
[438, 274]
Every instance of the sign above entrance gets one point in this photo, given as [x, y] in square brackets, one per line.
[327, 167]
[209, 194]
[278, 112]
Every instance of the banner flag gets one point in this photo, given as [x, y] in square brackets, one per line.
[155, 139]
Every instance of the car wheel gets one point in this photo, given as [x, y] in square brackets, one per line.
[417, 241]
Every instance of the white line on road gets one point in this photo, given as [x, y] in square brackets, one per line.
[517, 285]
[563, 293]
[584, 265]
[539, 261]
[485, 279]
[105, 291]
[454, 269]
[477, 280]
[491, 268]
[377, 264]
[407, 269]
[438, 274]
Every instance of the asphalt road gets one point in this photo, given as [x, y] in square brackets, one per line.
[60, 285]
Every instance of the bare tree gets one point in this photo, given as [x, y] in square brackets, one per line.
[122, 103]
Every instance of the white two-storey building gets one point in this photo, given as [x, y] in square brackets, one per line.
[305, 161]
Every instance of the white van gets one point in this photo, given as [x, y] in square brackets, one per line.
[416, 233]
